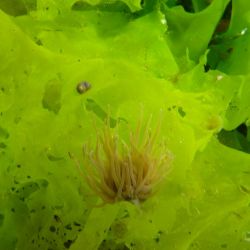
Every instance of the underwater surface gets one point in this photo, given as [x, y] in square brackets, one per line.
[124, 125]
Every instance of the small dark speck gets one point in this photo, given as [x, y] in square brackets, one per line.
[77, 224]
[181, 112]
[68, 227]
[43, 207]
[223, 245]
[39, 42]
[157, 239]
[150, 221]
[18, 165]
[52, 229]
[67, 243]
[13, 210]
[28, 176]
[57, 218]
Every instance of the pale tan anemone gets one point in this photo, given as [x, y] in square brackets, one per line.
[117, 171]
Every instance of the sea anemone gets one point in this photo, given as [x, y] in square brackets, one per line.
[116, 170]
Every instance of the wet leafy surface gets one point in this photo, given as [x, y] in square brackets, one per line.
[185, 60]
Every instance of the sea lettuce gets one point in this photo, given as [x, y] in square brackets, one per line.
[140, 58]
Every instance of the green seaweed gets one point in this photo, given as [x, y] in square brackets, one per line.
[141, 58]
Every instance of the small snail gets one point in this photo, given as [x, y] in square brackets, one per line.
[82, 87]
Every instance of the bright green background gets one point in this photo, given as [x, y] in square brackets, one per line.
[137, 57]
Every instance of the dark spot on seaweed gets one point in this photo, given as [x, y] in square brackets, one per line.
[52, 229]
[77, 224]
[1, 219]
[4, 133]
[57, 218]
[39, 42]
[3, 145]
[18, 165]
[68, 227]
[67, 243]
[157, 239]
[223, 246]
[13, 210]
[16, 182]
[181, 112]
